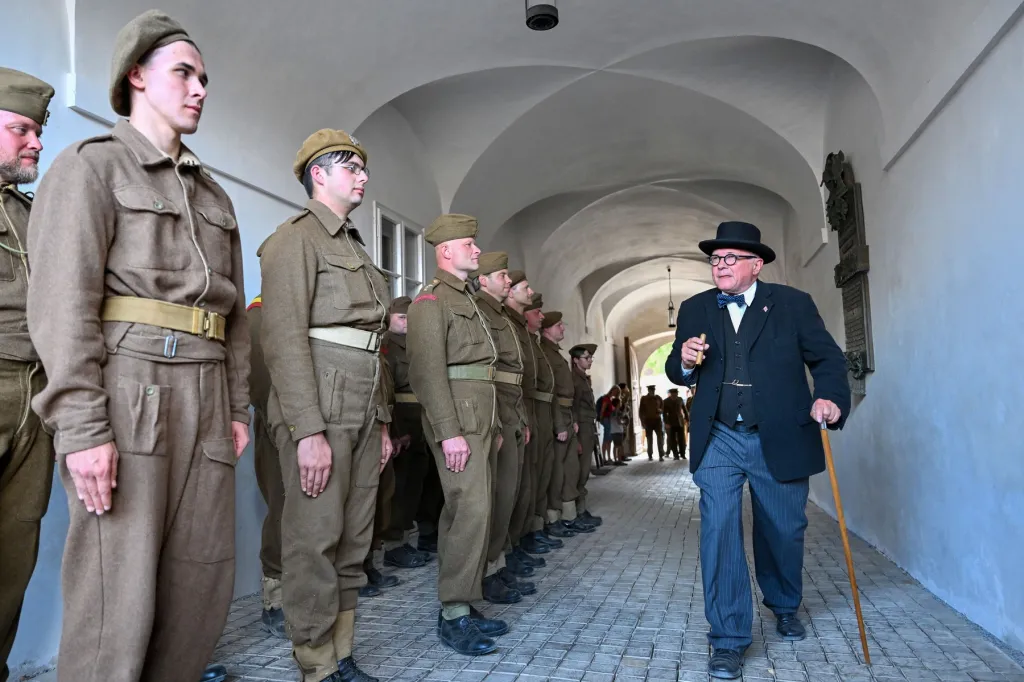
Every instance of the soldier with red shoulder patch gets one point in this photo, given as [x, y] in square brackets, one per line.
[452, 358]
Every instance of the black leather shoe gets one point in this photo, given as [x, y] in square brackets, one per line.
[378, 579]
[726, 664]
[620, 464]
[427, 543]
[514, 583]
[348, 671]
[517, 567]
[553, 543]
[403, 557]
[578, 526]
[789, 627]
[558, 529]
[489, 627]
[531, 561]
[463, 635]
[273, 622]
[214, 673]
[591, 519]
[423, 554]
[369, 590]
[497, 592]
[532, 545]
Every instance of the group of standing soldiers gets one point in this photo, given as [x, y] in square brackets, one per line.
[672, 412]
[130, 340]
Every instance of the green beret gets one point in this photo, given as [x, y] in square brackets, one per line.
[24, 94]
[141, 35]
[490, 262]
[450, 226]
[322, 142]
[537, 301]
[551, 319]
[581, 348]
[516, 276]
[400, 306]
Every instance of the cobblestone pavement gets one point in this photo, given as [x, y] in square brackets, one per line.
[625, 603]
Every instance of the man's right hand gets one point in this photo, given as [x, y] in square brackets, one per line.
[314, 464]
[689, 351]
[94, 472]
[456, 453]
[562, 437]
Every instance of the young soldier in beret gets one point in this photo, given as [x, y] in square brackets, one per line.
[26, 450]
[324, 311]
[585, 409]
[138, 313]
[491, 276]
[521, 526]
[452, 355]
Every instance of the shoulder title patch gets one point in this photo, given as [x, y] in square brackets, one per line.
[425, 297]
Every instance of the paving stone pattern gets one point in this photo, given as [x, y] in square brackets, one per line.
[625, 603]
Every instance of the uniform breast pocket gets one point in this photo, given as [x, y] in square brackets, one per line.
[215, 227]
[467, 325]
[148, 234]
[348, 280]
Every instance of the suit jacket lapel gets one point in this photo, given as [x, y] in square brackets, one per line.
[716, 316]
[756, 314]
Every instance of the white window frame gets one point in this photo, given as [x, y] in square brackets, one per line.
[398, 252]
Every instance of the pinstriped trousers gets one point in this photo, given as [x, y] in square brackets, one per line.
[733, 458]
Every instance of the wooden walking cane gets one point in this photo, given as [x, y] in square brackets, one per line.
[846, 541]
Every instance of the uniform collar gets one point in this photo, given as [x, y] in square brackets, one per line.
[516, 317]
[144, 150]
[328, 218]
[548, 341]
[450, 279]
[397, 339]
[489, 301]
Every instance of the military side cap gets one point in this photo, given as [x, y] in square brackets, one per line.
[536, 302]
[400, 306]
[450, 226]
[673, 390]
[516, 276]
[489, 262]
[581, 348]
[323, 142]
[551, 319]
[146, 32]
[24, 94]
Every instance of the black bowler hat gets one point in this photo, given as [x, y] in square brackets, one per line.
[738, 235]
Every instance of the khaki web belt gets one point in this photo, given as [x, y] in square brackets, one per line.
[347, 336]
[181, 318]
[541, 396]
[483, 373]
[406, 398]
[565, 402]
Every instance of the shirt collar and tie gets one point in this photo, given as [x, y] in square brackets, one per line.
[737, 304]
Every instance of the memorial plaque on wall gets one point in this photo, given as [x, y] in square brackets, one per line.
[844, 208]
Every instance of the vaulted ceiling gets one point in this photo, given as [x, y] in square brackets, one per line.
[623, 135]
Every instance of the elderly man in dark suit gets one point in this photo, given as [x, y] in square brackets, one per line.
[754, 420]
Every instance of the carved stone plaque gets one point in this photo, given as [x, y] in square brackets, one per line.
[845, 210]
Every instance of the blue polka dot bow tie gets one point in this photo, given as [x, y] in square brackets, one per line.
[726, 299]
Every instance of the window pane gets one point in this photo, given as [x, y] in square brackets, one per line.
[412, 254]
[387, 243]
[396, 287]
[412, 287]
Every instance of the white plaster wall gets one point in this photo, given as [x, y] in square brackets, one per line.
[930, 461]
[400, 180]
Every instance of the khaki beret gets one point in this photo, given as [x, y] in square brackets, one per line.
[450, 226]
[516, 276]
[581, 348]
[144, 33]
[24, 94]
[551, 319]
[400, 306]
[322, 142]
[536, 302]
[489, 262]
